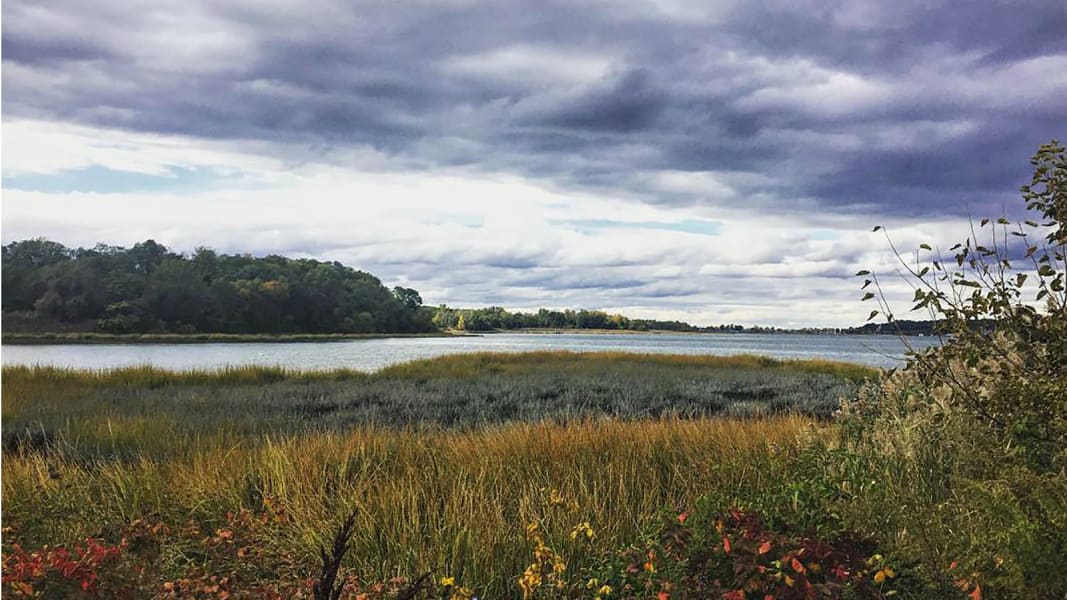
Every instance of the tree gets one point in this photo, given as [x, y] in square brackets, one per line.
[408, 297]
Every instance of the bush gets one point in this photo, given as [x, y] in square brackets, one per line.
[967, 445]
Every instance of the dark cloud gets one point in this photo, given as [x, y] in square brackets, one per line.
[629, 104]
[906, 109]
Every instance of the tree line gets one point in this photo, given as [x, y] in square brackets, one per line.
[495, 317]
[48, 287]
[147, 288]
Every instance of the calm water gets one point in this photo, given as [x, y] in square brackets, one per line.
[373, 354]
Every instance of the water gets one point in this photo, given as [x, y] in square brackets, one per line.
[373, 354]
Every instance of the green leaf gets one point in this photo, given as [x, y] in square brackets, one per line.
[873, 314]
[1003, 221]
[925, 246]
[862, 273]
[866, 297]
[876, 228]
[984, 222]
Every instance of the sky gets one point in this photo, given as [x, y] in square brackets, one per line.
[714, 162]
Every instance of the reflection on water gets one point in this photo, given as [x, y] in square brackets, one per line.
[373, 354]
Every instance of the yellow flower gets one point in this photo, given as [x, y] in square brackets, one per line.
[448, 581]
[582, 529]
[462, 593]
[883, 574]
[533, 532]
[592, 583]
[605, 590]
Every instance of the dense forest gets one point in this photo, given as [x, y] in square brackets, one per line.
[147, 288]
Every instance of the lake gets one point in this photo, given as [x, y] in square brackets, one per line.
[373, 354]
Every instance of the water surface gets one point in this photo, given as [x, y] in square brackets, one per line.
[373, 354]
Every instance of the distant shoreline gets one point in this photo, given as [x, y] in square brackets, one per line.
[44, 338]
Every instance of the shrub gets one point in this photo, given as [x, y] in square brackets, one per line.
[967, 445]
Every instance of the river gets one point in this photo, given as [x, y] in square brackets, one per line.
[373, 354]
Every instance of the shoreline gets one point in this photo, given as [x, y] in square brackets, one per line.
[88, 337]
[46, 338]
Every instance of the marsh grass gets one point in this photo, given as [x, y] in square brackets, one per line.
[46, 407]
[444, 462]
[456, 501]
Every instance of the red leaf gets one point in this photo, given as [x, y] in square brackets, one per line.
[682, 517]
[765, 547]
[726, 544]
[799, 568]
[977, 593]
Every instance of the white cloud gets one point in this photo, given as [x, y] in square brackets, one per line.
[807, 87]
[43, 147]
[466, 237]
[532, 64]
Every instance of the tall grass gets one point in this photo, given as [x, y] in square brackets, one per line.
[444, 462]
[424, 500]
[49, 407]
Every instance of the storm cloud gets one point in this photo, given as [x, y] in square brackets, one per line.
[832, 114]
[911, 107]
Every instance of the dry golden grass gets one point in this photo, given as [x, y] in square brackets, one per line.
[447, 500]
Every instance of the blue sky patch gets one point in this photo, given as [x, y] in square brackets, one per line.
[697, 226]
[824, 235]
[102, 180]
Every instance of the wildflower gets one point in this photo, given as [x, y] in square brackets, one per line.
[533, 532]
[448, 581]
[592, 583]
[582, 529]
[462, 593]
[883, 574]
[605, 590]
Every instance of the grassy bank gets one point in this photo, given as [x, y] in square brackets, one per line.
[25, 338]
